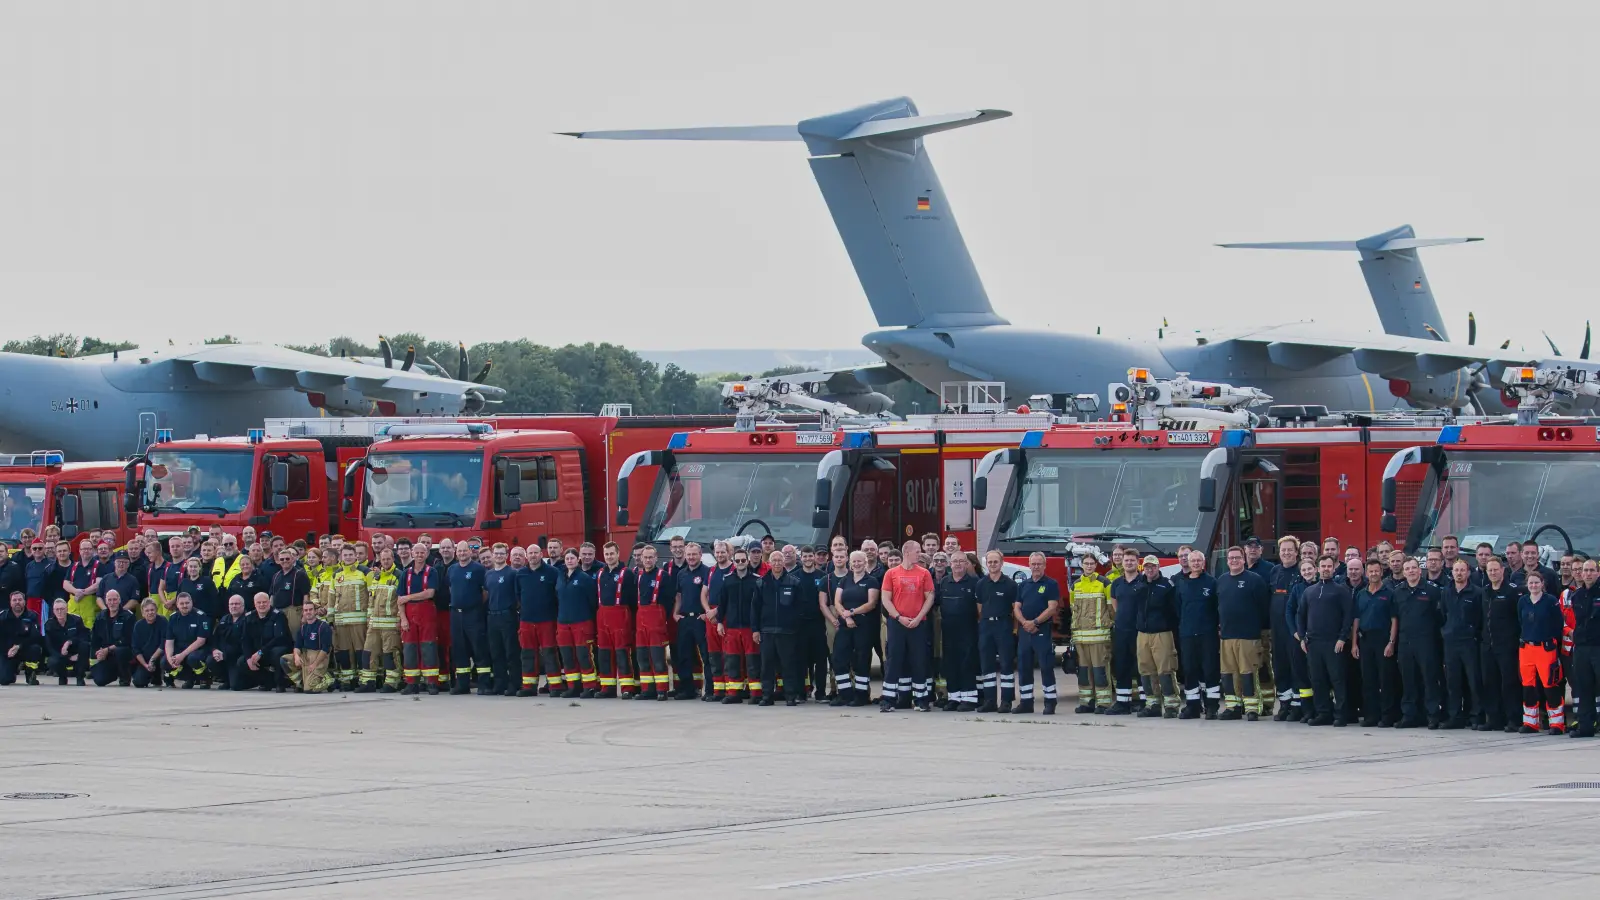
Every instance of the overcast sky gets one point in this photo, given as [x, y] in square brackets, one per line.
[293, 170]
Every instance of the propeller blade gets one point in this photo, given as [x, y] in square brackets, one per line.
[1584, 353]
[1553, 348]
[1506, 345]
[439, 368]
[461, 364]
[1472, 329]
[387, 351]
[1433, 331]
[411, 357]
[483, 372]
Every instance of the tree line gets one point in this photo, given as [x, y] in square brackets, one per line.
[536, 378]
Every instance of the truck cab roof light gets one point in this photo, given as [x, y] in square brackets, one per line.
[36, 458]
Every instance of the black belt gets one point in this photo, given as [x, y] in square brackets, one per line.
[995, 618]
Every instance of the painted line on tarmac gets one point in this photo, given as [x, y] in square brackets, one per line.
[1262, 825]
[1538, 800]
[930, 868]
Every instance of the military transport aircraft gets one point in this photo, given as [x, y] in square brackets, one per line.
[937, 324]
[109, 405]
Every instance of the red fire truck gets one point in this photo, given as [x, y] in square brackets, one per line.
[803, 482]
[229, 481]
[1180, 476]
[283, 483]
[1498, 480]
[41, 489]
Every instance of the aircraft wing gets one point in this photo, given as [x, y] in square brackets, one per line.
[346, 383]
[1392, 356]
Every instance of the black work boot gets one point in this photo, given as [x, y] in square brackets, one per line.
[1191, 710]
[1023, 708]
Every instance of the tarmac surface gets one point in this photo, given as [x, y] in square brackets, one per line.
[193, 794]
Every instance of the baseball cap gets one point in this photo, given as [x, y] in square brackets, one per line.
[1152, 560]
[1252, 542]
[120, 554]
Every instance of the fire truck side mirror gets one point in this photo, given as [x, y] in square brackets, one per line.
[511, 488]
[70, 516]
[1208, 495]
[1388, 524]
[980, 493]
[277, 486]
[820, 518]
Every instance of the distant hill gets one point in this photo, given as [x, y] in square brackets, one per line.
[700, 361]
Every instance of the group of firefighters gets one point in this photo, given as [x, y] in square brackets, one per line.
[1320, 637]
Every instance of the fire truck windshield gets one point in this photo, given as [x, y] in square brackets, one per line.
[708, 497]
[1496, 498]
[1150, 495]
[211, 481]
[423, 489]
[21, 506]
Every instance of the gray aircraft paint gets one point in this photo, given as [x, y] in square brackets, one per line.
[109, 406]
[900, 232]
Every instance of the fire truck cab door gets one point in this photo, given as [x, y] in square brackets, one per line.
[1255, 506]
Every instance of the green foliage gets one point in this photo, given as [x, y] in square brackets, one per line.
[537, 379]
[63, 344]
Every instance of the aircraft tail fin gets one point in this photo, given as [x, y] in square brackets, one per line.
[1395, 279]
[886, 203]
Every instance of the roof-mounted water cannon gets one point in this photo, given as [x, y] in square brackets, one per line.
[763, 397]
[1163, 403]
[1540, 391]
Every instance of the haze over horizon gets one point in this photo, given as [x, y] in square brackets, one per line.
[174, 170]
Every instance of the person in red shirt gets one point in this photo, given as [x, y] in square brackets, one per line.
[907, 601]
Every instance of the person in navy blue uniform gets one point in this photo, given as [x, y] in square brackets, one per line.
[1157, 620]
[469, 625]
[997, 640]
[1375, 636]
[1199, 652]
[226, 646]
[653, 589]
[577, 597]
[1497, 651]
[692, 583]
[1421, 666]
[536, 627]
[1324, 621]
[1038, 599]
[500, 585]
[188, 629]
[13, 572]
[66, 639]
[121, 579]
[22, 649]
[1462, 607]
[855, 602]
[1125, 632]
[111, 644]
[200, 587]
[1585, 675]
[775, 627]
[734, 597]
[614, 625]
[1243, 600]
[265, 639]
[1291, 675]
[42, 575]
[957, 598]
[149, 646]
[813, 627]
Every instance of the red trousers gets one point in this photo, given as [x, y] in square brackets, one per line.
[738, 641]
[574, 634]
[422, 626]
[441, 627]
[614, 628]
[650, 629]
[713, 639]
[536, 635]
[35, 606]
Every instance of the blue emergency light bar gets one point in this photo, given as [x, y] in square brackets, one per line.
[439, 429]
[1450, 434]
[163, 435]
[36, 458]
[256, 435]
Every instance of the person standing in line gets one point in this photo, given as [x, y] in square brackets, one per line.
[907, 600]
[1374, 640]
[1325, 618]
[1199, 648]
[855, 602]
